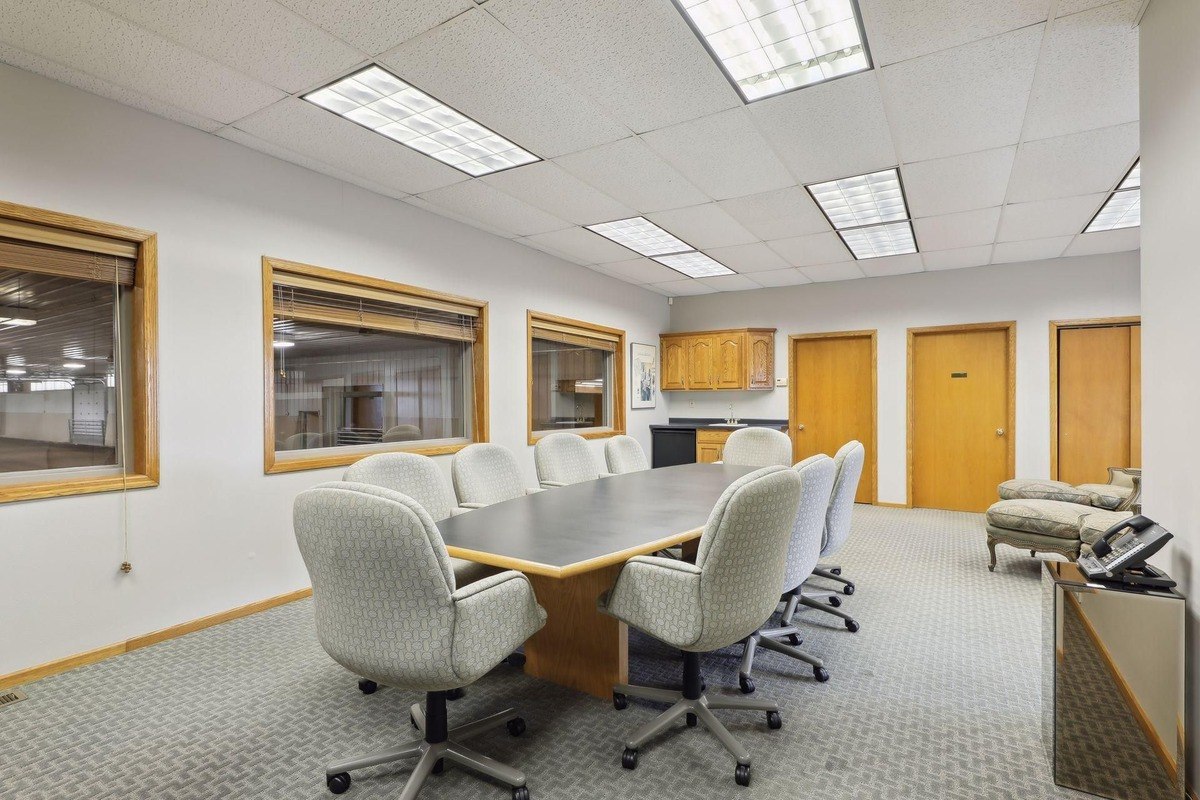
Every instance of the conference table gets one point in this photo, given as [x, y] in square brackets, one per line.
[572, 542]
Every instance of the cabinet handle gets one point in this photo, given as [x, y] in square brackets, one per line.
[999, 431]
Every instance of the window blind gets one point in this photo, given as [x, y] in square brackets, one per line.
[67, 262]
[574, 334]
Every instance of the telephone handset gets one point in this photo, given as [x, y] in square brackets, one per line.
[1121, 556]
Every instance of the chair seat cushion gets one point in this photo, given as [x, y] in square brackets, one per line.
[1042, 489]
[1093, 525]
[1106, 495]
[1044, 517]
[466, 572]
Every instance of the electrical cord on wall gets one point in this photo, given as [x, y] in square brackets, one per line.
[118, 380]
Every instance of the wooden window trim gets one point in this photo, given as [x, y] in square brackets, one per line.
[479, 365]
[143, 472]
[618, 394]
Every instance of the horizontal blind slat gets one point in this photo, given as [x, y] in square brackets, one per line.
[302, 311]
[66, 263]
[297, 281]
[74, 240]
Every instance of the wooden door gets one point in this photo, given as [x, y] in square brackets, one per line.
[960, 415]
[760, 361]
[674, 364]
[730, 361]
[700, 363]
[833, 399]
[1098, 401]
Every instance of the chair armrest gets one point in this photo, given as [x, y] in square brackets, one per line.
[493, 617]
[1134, 502]
[533, 490]
[456, 510]
[659, 596]
[469, 507]
[608, 474]
[551, 484]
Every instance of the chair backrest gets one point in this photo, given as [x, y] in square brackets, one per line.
[564, 458]
[486, 474]
[624, 454]
[849, 461]
[402, 433]
[758, 447]
[301, 441]
[382, 583]
[410, 474]
[816, 474]
[743, 554]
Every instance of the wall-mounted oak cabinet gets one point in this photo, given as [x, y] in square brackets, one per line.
[743, 358]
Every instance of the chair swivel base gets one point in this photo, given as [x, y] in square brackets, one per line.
[436, 745]
[809, 599]
[834, 573]
[768, 639]
[697, 707]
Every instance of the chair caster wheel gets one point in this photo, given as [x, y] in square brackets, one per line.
[742, 775]
[516, 726]
[629, 758]
[367, 686]
[821, 674]
[620, 701]
[439, 767]
[520, 793]
[338, 783]
[774, 721]
[848, 589]
[516, 660]
[454, 694]
[852, 626]
[794, 640]
[413, 721]
[835, 601]
[836, 570]
[691, 720]
[745, 684]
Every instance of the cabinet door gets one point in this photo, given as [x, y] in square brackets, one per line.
[730, 361]
[700, 362]
[708, 453]
[674, 364]
[761, 361]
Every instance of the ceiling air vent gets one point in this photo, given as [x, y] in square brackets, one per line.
[10, 697]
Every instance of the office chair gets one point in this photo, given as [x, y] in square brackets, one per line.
[484, 474]
[302, 441]
[757, 447]
[816, 476]
[849, 460]
[623, 454]
[562, 459]
[719, 600]
[387, 606]
[402, 433]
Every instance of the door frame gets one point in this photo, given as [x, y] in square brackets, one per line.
[1010, 328]
[1068, 324]
[873, 336]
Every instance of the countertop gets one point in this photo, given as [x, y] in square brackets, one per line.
[697, 423]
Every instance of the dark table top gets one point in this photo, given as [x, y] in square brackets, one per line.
[573, 529]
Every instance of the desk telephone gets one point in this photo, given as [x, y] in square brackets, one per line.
[1120, 557]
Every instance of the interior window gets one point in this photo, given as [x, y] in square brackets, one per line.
[575, 373]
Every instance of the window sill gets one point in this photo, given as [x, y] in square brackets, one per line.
[585, 433]
[345, 459]
[41, 490]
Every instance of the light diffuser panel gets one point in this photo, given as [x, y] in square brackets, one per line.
[641, 236]
[770, 46]
[377, 99]
[1123, 210]
[874, 241]
[861, 200]
[1134, 179]
[694, 265]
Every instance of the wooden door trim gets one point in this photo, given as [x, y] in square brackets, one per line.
[872, 335]
[1057, 325]
[1010, 329]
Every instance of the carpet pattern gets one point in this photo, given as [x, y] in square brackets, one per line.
[936, 697]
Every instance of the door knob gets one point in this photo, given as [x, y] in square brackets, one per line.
[999, 431]
[799, 427]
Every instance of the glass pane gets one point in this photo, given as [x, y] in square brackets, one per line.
[572, 386]
[336, 387]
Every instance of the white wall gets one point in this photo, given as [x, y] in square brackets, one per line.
[1170, 114]
[217, 532]
[1032, 294]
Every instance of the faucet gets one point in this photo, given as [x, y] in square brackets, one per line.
[732, 419]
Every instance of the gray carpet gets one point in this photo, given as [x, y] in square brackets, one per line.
[936, 697]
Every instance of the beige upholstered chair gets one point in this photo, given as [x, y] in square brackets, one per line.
[387, 606]
[1122, 492]
[624, 454]
[302, 441]
[562, 459]
[484, 474]
[757, 447]
[402, 433]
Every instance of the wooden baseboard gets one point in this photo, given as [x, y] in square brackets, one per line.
[883, 504]
[145, 640]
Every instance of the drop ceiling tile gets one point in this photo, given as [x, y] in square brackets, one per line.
[723, 154]
[952, 231]
[962, 100]
[632, 173]
[844, 271]
[640, 61]
[780, 277]
[639, 270]
[477, 200]
[1030, 250]
[1067, 7]
[257, 37]
[90, 40]
[1043, 219]
[681, 288]
[581, 245]
[958, 258]
[899, 30]
[756, 257]
[891, 265]
[730, 283]
[481, 68]
[316, 133]
[958, 183]
[1088, 76]
[551, 188]
[831, 130]
[1118, 241]
[817, 248]
[82, 80]
[424, 205]
[703, 226]
[1072, 165]
[377, 25]
[777, 214]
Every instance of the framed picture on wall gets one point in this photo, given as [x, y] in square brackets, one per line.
[643, 375]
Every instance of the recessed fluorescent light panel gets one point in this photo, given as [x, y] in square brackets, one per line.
[647, 239]
[767, 47]
[377, 99]
[1123, 209]
[869, 212]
